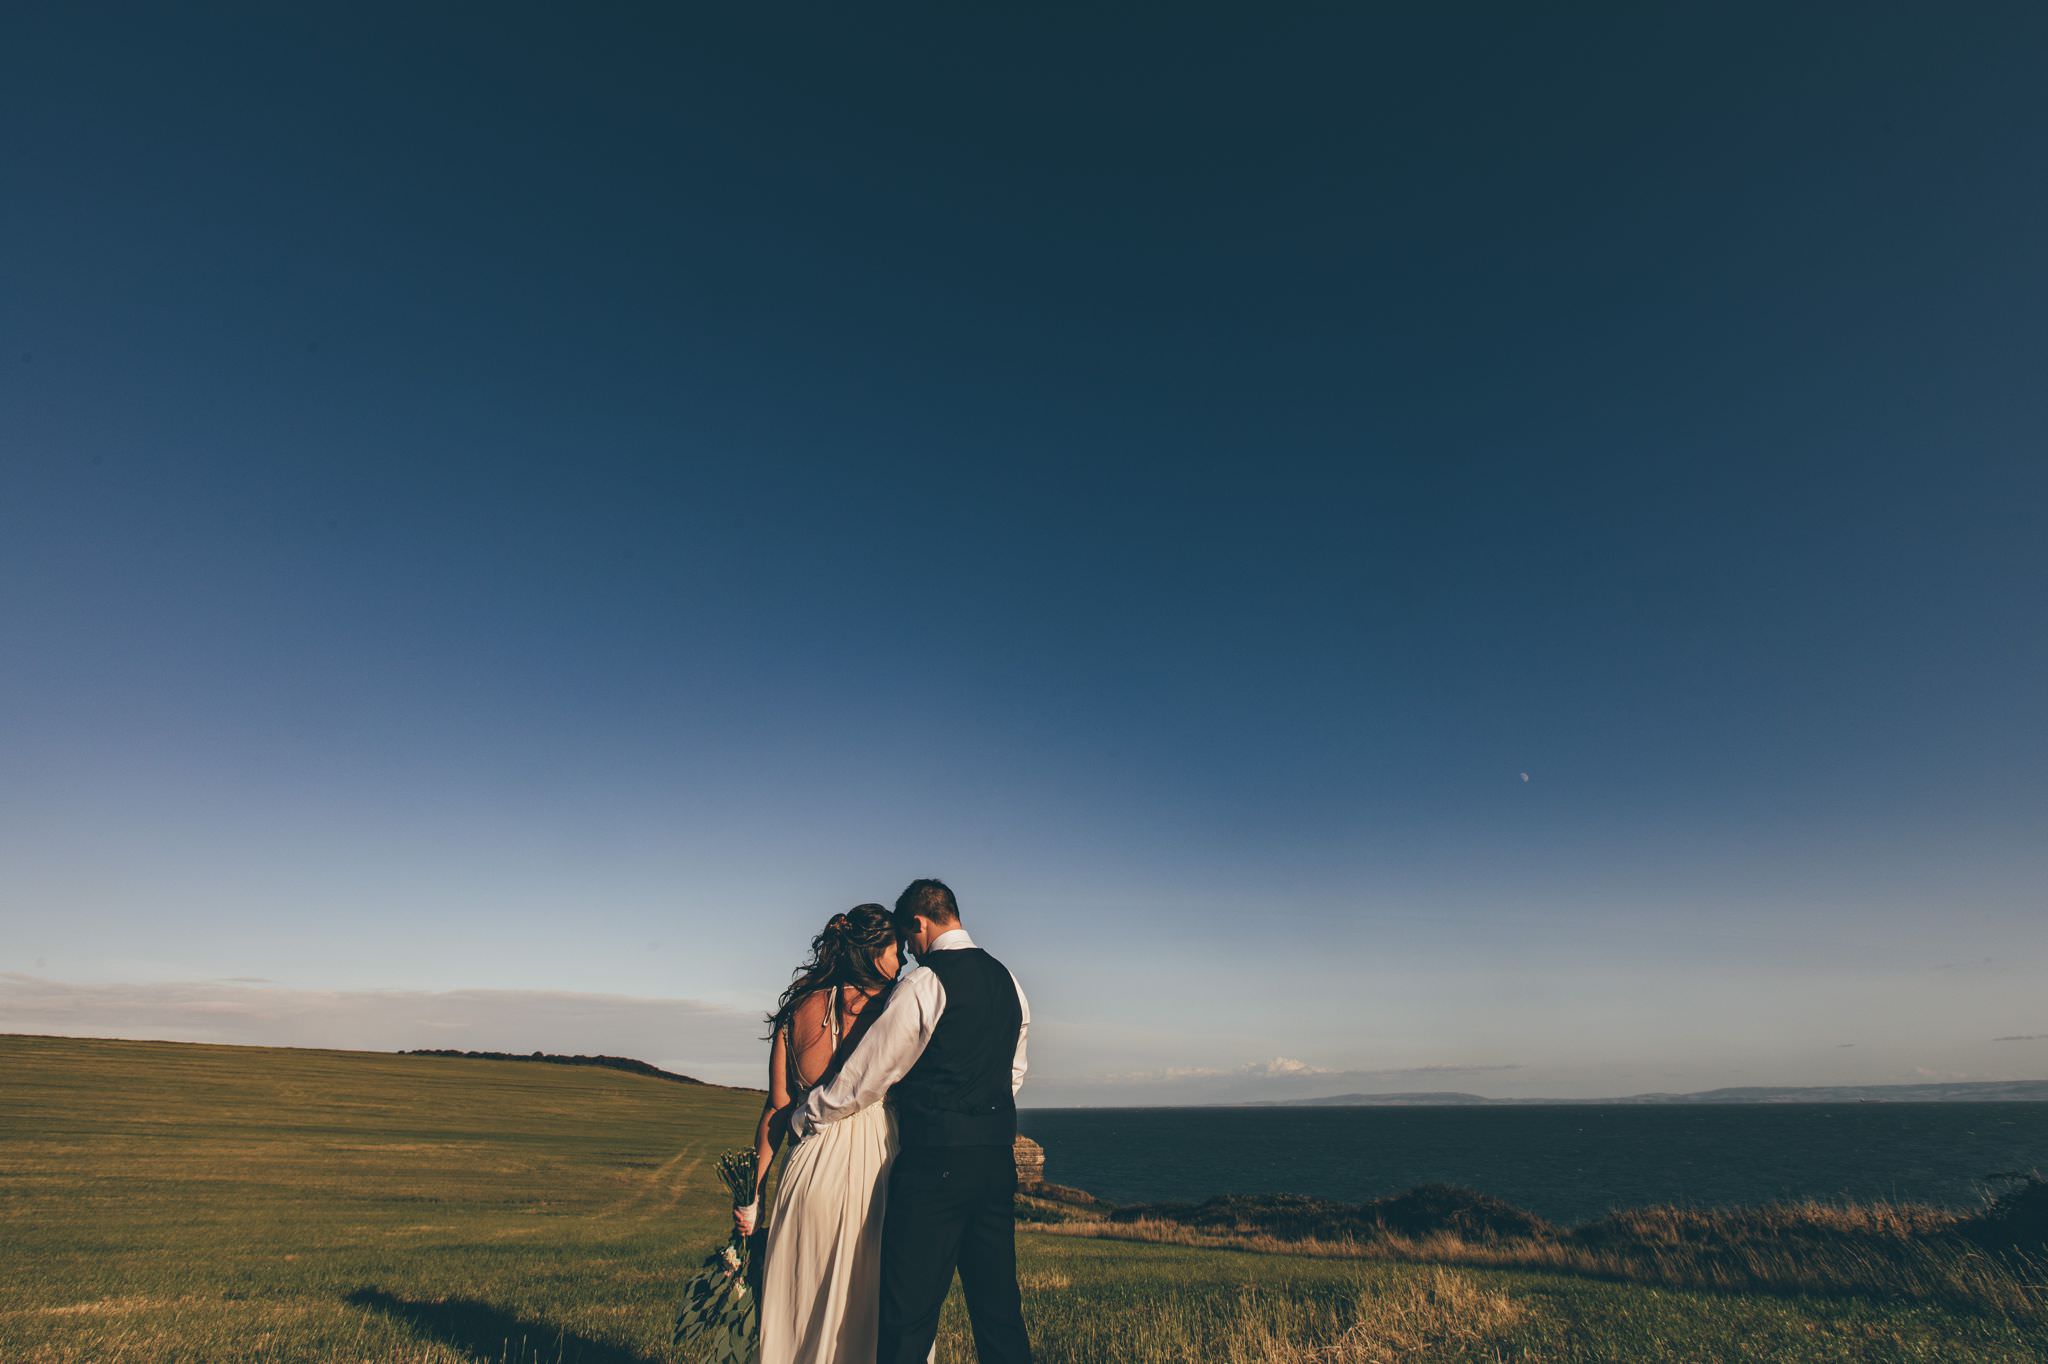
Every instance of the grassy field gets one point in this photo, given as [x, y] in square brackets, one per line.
[169, 1202]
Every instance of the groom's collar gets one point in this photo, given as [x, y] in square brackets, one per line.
[951, 939]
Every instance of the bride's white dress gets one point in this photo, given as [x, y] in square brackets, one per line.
[821, 1286]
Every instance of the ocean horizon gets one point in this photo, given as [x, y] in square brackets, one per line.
[1569, 1162]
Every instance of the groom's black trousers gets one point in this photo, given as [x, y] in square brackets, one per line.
[951, 1207]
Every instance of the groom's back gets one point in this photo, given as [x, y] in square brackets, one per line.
[959, 1092]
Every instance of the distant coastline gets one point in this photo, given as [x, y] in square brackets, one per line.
[1970, 1091]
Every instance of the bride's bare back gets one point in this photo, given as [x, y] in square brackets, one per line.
[823, 1030]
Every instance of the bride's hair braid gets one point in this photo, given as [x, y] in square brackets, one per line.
[843, 954]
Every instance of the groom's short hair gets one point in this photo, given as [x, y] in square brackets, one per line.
[931, 899]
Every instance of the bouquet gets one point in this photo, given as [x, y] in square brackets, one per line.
[721, 1312]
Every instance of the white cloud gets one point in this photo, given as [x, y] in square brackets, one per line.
[1280, 1077]
[1283, 1065]
[1279, 1066]
[1287, 1068]
[710, 1042]
[1924, 1073]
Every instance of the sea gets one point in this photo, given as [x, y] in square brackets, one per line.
[1567, 1162]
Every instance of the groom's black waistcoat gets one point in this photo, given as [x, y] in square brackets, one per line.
[958, 1093]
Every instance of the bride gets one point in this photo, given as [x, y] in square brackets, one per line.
[820, 1292]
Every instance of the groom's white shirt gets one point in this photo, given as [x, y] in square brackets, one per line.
[893, 1043]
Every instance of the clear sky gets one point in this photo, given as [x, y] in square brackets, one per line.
[1440, 548]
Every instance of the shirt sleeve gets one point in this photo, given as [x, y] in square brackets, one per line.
[885, 1054]
[1018, 1066]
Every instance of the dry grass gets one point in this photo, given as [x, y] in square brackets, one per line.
[1351, 1316]
[1435, 1315]
[1886, 1250]
[1044, 1280]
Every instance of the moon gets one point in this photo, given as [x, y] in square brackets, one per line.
[1525, 776]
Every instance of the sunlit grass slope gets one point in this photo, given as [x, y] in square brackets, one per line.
[167, 1202]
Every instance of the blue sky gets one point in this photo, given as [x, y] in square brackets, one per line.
[1488, 550]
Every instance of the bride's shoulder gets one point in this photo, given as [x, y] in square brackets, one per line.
[808, 1009]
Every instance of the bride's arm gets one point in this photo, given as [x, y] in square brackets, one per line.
[769, 1130]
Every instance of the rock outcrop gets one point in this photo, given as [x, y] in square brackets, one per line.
[1030, 1163]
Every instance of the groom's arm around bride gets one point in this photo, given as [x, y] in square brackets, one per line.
[949, 1053]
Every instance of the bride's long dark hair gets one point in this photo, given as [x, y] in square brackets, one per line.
[844, 954]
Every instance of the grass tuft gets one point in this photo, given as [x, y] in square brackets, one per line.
[1443, 1312]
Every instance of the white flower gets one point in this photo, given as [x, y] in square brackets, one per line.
[731, 1258]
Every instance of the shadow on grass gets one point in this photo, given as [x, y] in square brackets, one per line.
[491, 1335]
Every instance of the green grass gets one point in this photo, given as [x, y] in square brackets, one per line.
[168, 1202]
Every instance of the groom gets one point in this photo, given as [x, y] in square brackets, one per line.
[948, 1053]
